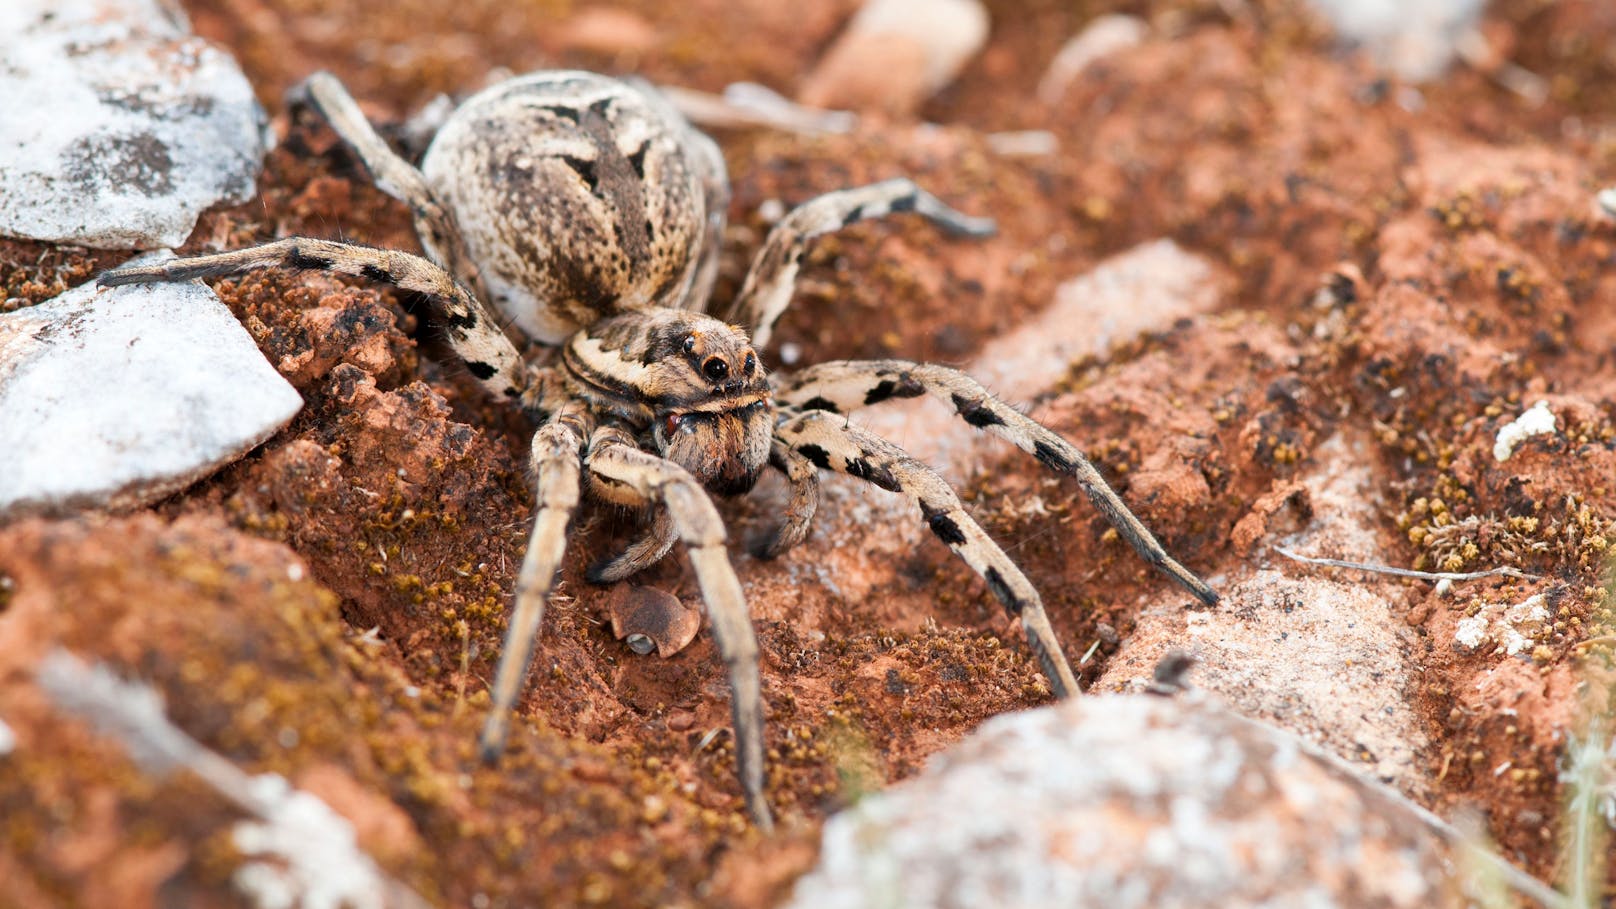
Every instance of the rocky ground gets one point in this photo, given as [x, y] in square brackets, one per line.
[1326, 295]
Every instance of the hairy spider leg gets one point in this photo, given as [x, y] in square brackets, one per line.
[832, 443]
[769, 284]
[844, 386]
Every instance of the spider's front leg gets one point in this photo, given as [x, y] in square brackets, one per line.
[769, 284]
[556, 459]
[832, 443]
[804, 479]
[641, 554]
[472, 331]
[847, 385]
[616, 462]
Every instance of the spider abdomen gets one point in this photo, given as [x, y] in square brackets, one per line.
[577, 196]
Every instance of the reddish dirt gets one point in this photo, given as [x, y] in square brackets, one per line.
[1419, 277]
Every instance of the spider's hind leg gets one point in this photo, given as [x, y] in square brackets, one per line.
[768, 286]
[435, 226]
[846, 385]
[832, 443]
[472, 331]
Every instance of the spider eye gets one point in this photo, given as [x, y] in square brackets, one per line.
[690, 343]
[751, 364]
[715, 368]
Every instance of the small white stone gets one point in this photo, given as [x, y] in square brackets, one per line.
[1104, 36]
[1515, 628]
[895, 54]
[1415, 41]
[1606, 200]
[952, 31]
[311, 856]
[118, 396]
[1537, 421]
[1471, 631]
[119, 126]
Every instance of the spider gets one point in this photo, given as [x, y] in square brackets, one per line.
[589, 213]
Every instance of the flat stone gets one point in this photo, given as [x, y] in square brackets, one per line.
[115, 397]
[120, 126]
[1326, 655]
[895, 54]
[1124, 801]
[1415, 41]
[1106, 35]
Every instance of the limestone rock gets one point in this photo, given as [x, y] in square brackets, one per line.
[897, 53]
[118, 396]
[120, 126]
[1126, 801]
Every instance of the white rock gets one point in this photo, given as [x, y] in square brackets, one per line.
[951, 30]
[1123, 801]
[118, 396]
[1606, 201]
[1536, 421]
[118, 127]
[1327, 656]
[1104, 36]
[1516, 627]
[303, 854]
[1415, 41]
[894, 54]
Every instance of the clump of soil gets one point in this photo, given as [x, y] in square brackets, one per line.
[331, 607]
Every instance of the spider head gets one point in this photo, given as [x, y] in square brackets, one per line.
[713, 414]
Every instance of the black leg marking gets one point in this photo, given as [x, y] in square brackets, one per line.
[297, 258]
[1051, 457]
[976, 413]
[814, 453]
[902, 387]
[818, 403]
[1001, 590]
[872, 473]
[948, 531]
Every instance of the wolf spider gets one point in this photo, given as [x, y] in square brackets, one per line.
[589, 212]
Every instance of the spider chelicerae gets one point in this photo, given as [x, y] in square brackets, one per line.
[589, 213]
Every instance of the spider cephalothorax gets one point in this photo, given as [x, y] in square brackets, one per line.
[694, 384]
[589, 213]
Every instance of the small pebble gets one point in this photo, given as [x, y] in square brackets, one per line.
[1101, 38]
[895, 54]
